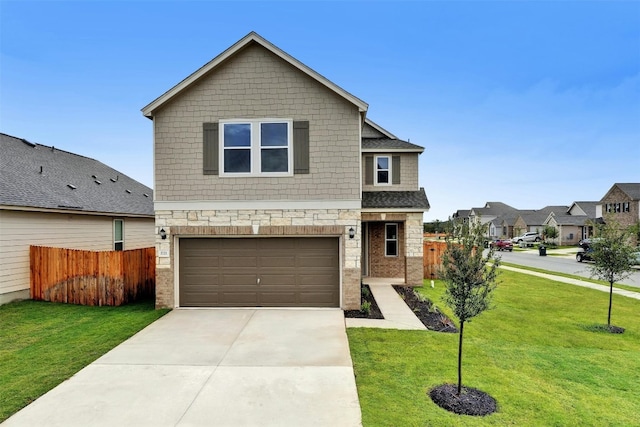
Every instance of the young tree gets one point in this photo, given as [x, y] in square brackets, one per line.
[549, 233]
[470, 277]
[612, 256]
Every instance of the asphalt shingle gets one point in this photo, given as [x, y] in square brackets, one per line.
[395, 199]
[38, 176]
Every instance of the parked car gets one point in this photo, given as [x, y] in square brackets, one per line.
[585, 255]
[502, 245]
[530, 236]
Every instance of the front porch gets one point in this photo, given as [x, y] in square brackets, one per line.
[392, 247]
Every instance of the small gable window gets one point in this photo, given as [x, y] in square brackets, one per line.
[256, 148]
[383, 170]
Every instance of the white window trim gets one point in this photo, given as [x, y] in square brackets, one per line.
[375, 171]
[114, 234]
[255, 148]
[386, 239]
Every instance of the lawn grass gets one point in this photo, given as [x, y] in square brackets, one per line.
[43, 344]
[571, 276]
[533, 352]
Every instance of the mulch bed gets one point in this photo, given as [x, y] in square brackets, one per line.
[470, 402]
[426, 311]
[374, 312]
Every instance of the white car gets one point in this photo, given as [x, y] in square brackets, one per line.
[530, 236]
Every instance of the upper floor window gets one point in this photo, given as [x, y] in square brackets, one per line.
[118, 234]
[256, 147]
[383, 170]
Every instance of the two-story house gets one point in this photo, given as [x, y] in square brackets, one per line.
[273, 189]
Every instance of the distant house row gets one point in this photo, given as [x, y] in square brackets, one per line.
[574, 222]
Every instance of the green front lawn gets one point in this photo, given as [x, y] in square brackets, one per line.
[43, 344]
[534, 353]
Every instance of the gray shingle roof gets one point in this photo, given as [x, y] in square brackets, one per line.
[38, 176]
[395, 199]
[389, 144]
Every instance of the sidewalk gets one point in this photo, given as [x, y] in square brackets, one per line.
[397, 315]
[584, 284]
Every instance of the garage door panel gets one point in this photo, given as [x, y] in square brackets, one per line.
[278, 261]
[292, 272]
[236, 298]
[239, 261]
[271, 280]
[322, 261]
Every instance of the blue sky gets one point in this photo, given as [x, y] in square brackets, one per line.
[529, 103]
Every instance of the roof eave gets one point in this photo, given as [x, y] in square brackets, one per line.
[75, 211]
[378, 210]
[148, 111]
[393, 150]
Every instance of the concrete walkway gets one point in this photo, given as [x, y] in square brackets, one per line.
[584, 284]
[397, 315]
[214, 367]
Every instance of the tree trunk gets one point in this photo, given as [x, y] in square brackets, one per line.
[610, 302]
[460, 358]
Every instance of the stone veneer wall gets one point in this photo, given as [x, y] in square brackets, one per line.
[255, 223]
[414, 269]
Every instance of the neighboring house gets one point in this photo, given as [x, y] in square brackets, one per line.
[488, 214]
[461, 215]
[622, 201]
[503, 226]
[50, 197]
[533, 220]
[275, 190]
[574, 224]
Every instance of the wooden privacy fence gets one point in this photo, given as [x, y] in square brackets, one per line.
[432, 258]
[91, 277]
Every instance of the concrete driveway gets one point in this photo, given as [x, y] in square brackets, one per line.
[214, 368]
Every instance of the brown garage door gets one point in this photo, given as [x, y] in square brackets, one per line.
[259, 272]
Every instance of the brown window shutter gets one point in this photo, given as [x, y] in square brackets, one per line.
[210, 149]
[301, 147]
[395, 170]
[368, 170]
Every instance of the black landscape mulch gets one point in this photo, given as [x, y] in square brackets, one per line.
[470, 402]
[374, 312]
[426, 311]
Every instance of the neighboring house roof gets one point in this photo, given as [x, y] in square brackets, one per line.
[395, 200]
[38, 176]
[588, 208]
[251, 38]
[462, 213]
[631, 189]
[566, 219]
[493, 209]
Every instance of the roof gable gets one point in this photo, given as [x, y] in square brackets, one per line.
[377, 139]
[251, 38]
[42, 177]
[631, 189]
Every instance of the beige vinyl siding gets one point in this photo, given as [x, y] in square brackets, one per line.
[139, 233]
[257, 84]
[408, 173]
[19, 229]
